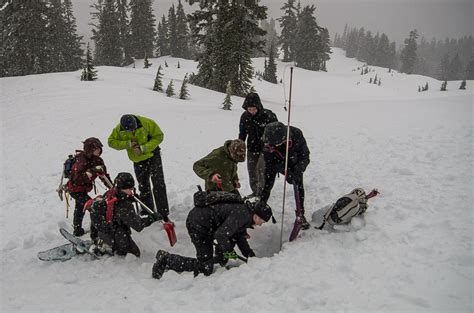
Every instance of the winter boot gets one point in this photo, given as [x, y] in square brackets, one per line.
[160, 265]
[304, 223]
[78, 231]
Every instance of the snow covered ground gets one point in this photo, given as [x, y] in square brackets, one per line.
[412, 252]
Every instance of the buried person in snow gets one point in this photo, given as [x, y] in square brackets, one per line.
[227, 224]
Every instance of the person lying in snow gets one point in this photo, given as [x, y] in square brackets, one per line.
[114, 216]
[227, 224]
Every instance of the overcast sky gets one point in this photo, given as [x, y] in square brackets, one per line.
[432, 18]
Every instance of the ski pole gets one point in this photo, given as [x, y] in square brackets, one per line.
[286, 158]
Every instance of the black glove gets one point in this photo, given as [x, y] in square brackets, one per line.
[151, 218]
[293, 177]
[250, 254]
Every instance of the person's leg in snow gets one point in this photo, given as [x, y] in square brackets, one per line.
[142, 172]
[123, 243]
[299, 184]
[80, 198]
[159, 185]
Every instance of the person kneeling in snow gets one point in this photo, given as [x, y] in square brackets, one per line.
[224, 222]
[114, 215]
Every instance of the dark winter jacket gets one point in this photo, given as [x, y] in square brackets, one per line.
[298, 155]
[86, 161]
[253, 126]
[124, 219]
[218, 161]
[227, 223]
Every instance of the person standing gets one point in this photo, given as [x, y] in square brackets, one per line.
[219, 168]
[141, 137]
[251, 127]
[84, 171]
[274, 152]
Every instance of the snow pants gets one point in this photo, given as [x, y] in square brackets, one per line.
[81, 198]
[256, 168]
[152, 168]
[123, 242]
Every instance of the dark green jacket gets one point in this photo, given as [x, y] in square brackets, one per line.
[148, 135]
[218, 162]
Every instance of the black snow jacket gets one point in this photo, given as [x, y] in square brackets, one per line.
[298, 155]
[124, 219]
[227, 223]
[254, 126]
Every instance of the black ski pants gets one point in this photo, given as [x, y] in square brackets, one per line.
[152, 168]
[123, 242]
[256, 168]
[81, 198]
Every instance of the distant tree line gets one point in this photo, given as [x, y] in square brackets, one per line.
[451, 59]
[364, 46]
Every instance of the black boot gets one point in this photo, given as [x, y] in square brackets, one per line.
[160, 265]
[78, 231]
[304, 223]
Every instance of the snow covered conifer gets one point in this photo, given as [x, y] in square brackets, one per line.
[463, 85]
[227, 104]
[170, 89]
[288, 24]
[142, 28]
[158, 82]
[88, 72]
[146, 64]
[270, 67]
[444, 85]
[408, 55]
[163, 40]
[183, 93]
[178, 66]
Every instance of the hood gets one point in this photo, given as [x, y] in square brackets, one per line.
[252, 100]
[90, 144]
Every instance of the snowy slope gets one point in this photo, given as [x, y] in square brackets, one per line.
[412, 252]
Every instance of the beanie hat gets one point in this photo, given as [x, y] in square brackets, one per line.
[263, 210]
[275, 133]
[90, 144]
[124, 181]
[237, 150]
[128, 122]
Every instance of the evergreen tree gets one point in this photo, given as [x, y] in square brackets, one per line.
[444, 85]
[172, 32]
[146, 64]
[426, 87]
[107, 34]
[182, 33]
[25, 40]
[408, 55]
[270, 67]
[227, 104]
[469, 73]
[311, 51]
[444, 67]
[163, 40]
[183, 93]
[158, 86]
[463, 85]
[89, 73]
[288, 25]
[178, 66]
[124, 30]
[226, 31]
[455, 68]
[170, 89]
[142, 28]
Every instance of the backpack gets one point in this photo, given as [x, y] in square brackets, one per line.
[205, 198]
[68, 164]
[101, 210]
[346, 207]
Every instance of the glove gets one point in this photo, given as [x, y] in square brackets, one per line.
[153, 218]
[230, 255]
[99, 169]
[250, 254]
[292, 178]
[216, 178]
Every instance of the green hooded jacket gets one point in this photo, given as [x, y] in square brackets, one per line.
[218, 162]
[148, 135]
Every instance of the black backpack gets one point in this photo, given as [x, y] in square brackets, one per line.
[205, 198]
[101, 210]
[69, 163]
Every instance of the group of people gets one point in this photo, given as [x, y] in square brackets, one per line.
[214, 226]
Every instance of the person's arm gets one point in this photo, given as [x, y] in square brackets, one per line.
[227, 230]
[126, 214]
[242, 127]
[202, 167]
[115, 142]
[243, 245]
[154, 133]
[78, 172]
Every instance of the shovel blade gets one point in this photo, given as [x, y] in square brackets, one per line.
[169, 228]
